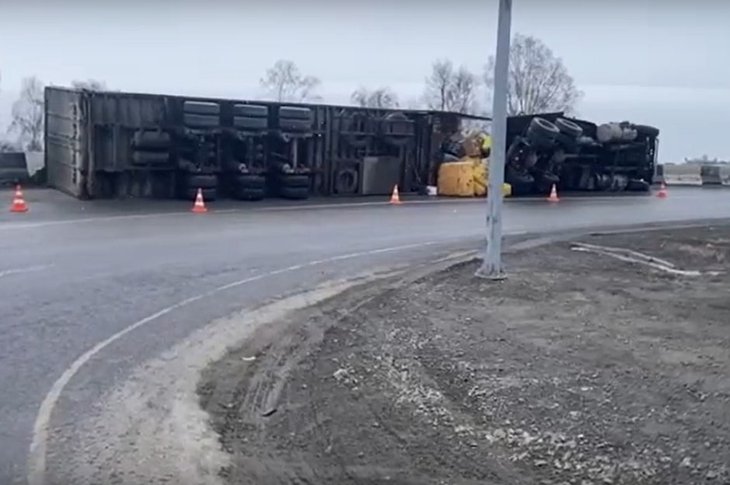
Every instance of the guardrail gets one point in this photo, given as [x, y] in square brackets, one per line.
[693, 174]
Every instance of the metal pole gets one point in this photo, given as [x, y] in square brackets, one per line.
[492, 266]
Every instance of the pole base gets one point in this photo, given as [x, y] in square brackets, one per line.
[492, 274]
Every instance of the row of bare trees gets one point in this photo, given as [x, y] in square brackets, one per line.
[538, 82]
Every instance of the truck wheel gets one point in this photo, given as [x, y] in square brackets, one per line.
[151, 140]
[646, 130]
[541, 131]
[568, 127]
[200, 121]
[295, 181]
[295, 125]
[249, 193]
[246, 123]
[190, 193]
[150, 158]
[250, 110]
[568, 142]
[295, 113]
[636, 185]
[346, 181]
[201, 108]
[298, 193]
[250, 181]
[201, 181]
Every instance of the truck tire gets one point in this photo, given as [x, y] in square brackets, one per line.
[568, 127]
[398, 127]
[200, 121]
[636, 185]
[296, 193]
[190, 193]
[201, 181]
[250, 181]
[286, 124]
[249, 193]
[150, 158]
[250, 111]
[569, 143]
[151, 140]
[295, 181]
[244, 123]
[346, 181]
[646, 130]
[295, 113]
[541, 131]
[201, 108]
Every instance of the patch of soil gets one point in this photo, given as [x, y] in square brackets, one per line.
[578, 369]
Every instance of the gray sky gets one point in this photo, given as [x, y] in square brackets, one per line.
[660, 62]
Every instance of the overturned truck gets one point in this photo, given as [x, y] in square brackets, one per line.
[113, 144]
[577, 155]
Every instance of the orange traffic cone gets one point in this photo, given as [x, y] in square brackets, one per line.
[553, 195]
[662, 194]
[395, 198]
[199, 205]
[19, 204]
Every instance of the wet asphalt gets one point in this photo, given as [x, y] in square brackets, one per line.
[73, 273]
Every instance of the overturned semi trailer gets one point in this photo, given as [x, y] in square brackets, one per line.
[113, 144]
[578, 155]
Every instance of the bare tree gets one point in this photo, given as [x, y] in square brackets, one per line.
[450, 89]
[284, 82]
[89, 85]
[415, 103]
[27, 114]
[538, 81]
[380, 98]
[463, 90]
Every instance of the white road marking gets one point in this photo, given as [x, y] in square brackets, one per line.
[27, 269]
[39, 443]
[347, 205]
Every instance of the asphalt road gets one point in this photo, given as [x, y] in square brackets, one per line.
[73, 274]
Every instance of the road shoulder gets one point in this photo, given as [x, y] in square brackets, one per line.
[588, 365]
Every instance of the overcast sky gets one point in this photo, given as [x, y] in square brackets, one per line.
[660, 62]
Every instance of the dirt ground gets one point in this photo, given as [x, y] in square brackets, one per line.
[586, 366]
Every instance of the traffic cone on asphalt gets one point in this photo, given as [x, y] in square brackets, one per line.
[553, 197]
[662, 194]
[199, 205]
[395, 198]
[19, 204]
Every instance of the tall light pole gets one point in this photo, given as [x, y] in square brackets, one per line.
[492, 266]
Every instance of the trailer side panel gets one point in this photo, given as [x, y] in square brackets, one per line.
[66, 140]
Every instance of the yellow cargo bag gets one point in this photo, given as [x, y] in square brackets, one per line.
[456, 179]
[469, 177]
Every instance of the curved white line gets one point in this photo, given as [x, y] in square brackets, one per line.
[39, 443]
[149, 215]
[27, 269]
[304, 207]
